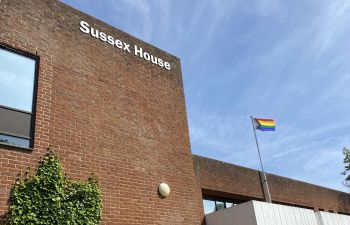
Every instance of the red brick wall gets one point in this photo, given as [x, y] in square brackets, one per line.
[225, 180]
[104, 111]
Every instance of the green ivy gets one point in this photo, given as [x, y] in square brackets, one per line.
[48, 197]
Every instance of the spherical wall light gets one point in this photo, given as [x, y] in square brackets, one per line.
[164, 189]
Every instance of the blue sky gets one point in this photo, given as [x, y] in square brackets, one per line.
[286, 60]
[17, 73]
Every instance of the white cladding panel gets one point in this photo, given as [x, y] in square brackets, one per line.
[262, 213]
[273, 214]
[242, 214]
[325, 218]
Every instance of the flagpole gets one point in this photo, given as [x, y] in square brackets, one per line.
[264, 178]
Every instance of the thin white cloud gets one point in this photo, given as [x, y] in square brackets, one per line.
[209, 15]
[216, 131]
[267, 7]
[330, 24]
[260, 7]
[142, 10]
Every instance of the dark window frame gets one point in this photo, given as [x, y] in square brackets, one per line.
[36, 58]
[216, 199]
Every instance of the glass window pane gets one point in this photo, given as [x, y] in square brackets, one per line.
[220, 205]
[16, 80]
[209, 206]
[229, 204]
[10, 140]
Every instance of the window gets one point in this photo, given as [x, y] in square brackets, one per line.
[219, 205]
[209, 206]
[229, 204]
[17, 83]
[212, 204]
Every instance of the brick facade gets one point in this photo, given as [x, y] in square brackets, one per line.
[104, 111]
[109, 112]
[229, 181]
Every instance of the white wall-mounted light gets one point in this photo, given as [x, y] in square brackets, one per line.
[164, 189]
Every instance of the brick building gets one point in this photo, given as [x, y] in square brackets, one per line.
[114, 105]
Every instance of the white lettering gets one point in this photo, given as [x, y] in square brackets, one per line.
[167, 65]
[84, 27]
[103, 37]
[126, 47]
[118, 43]
[160, 62]
[94, 32]
[153, 59]
[146, 56]
[110, 40]
[138, 51]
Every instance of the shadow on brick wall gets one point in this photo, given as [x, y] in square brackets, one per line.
[344, 202]
[3, 219]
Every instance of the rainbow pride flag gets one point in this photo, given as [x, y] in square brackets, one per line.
[265, 124]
